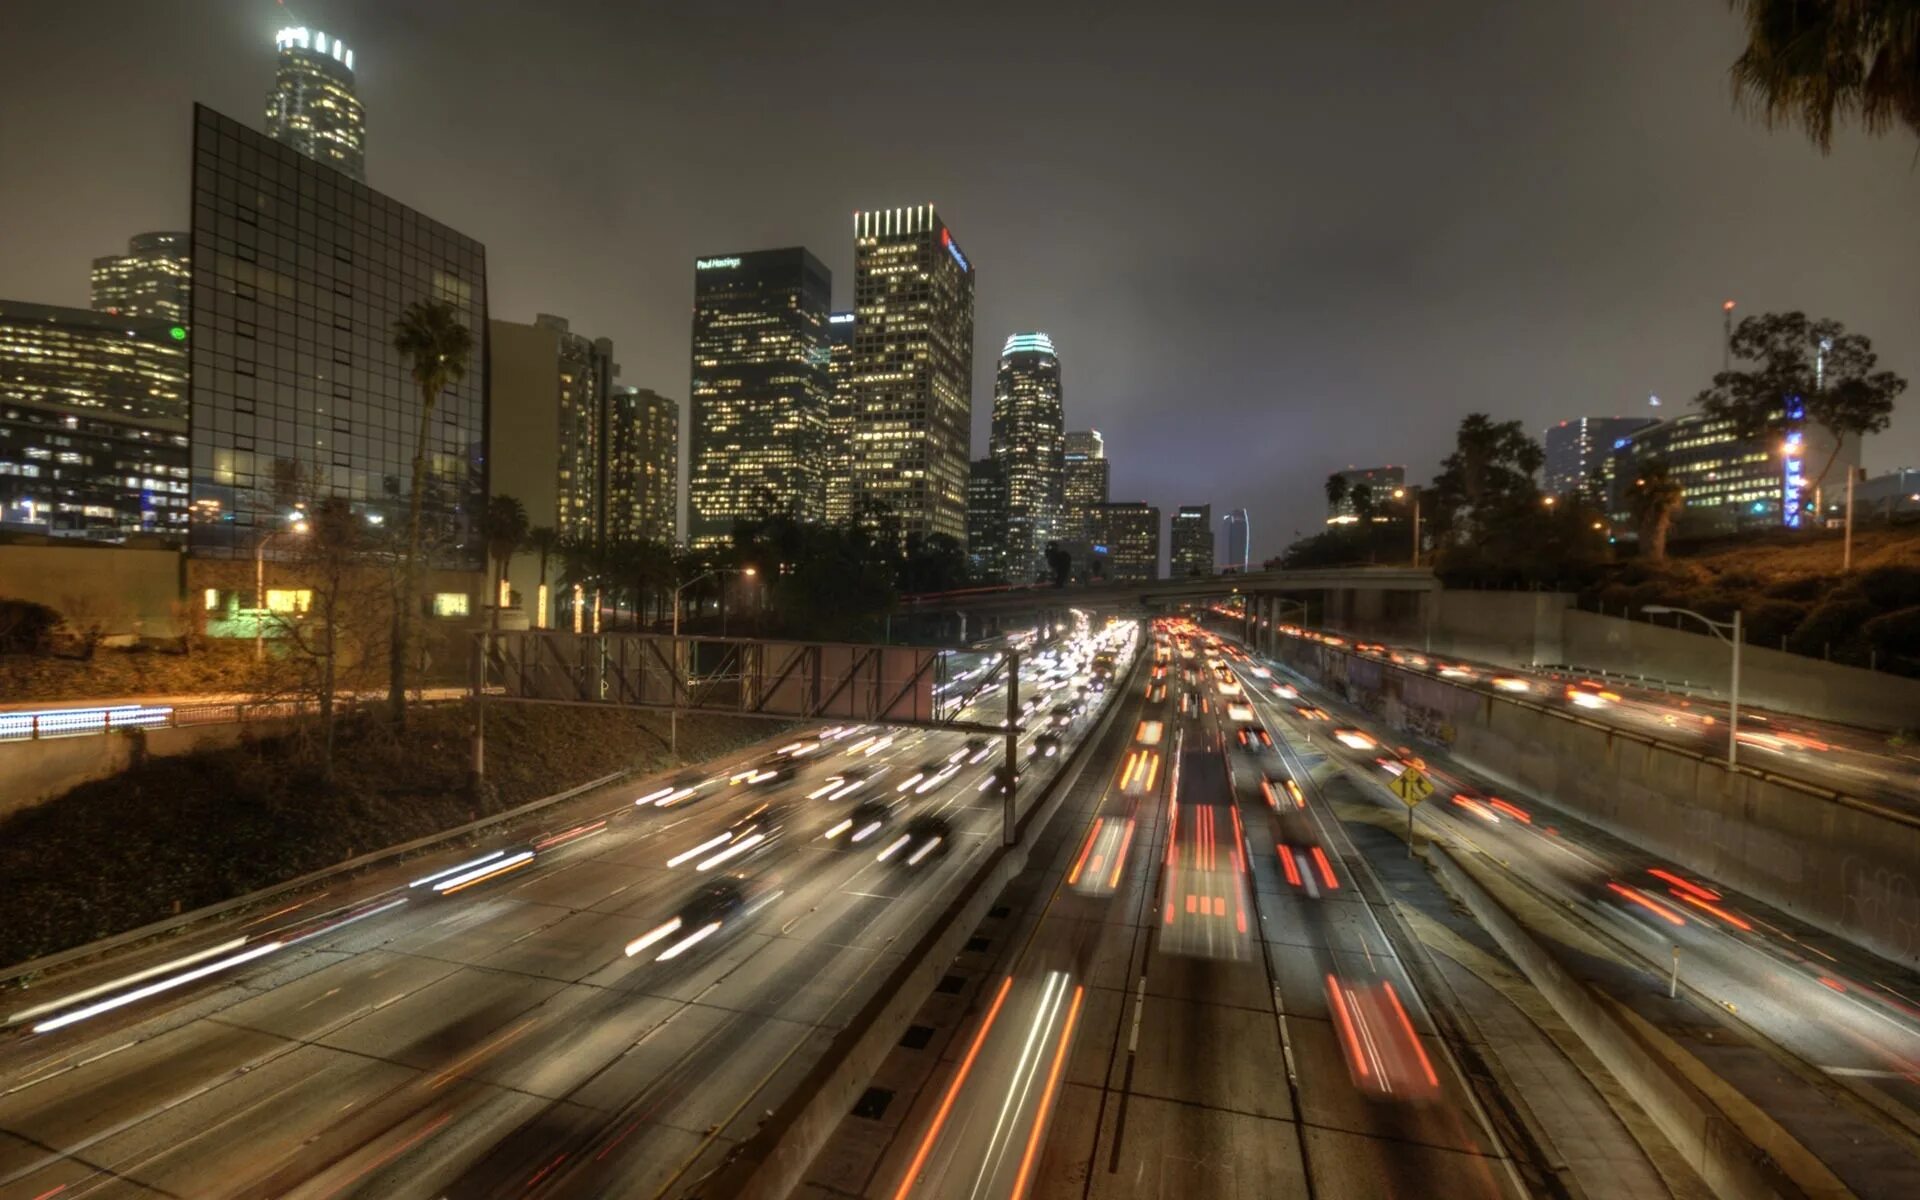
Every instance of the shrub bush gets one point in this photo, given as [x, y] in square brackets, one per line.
[1835, 623]
[26, 627]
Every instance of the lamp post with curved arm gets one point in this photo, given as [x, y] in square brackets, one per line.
[1733, 704]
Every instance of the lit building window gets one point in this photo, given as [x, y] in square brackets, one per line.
[289, 600]
[213, 599]
[450, 604]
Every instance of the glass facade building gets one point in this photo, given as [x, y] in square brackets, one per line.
[987, 519]
[149, 280]
[1191, 541]
[1126, 541]
[299, 274]
[1085, 481]
[643, 465]
[1379, 480]
[1728, 482]
[1239, 548]
[312, 106]
[1029, 428]
[1577, 449]
[761, 386]
[839, 454]
[912, 372]
[93, 423]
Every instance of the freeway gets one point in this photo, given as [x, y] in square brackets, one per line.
[1842, 758]
[1821, 1037]
[1204, 1003]
[605, 1009]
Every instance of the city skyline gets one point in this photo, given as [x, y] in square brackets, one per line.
[1440, 286]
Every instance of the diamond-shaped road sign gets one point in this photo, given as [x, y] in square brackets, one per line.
[1412, 786]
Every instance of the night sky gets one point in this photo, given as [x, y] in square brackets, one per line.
[1270, 240]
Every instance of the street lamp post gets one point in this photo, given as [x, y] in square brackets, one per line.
[1733, 704]
[679, 666]
[260, 584]
[1401, 493]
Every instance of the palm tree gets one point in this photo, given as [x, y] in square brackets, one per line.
[543, 540]
[430, 333]
[1363, 502]
[504, 525]
[1653, 500]
[1336, 489]
[1812, 62]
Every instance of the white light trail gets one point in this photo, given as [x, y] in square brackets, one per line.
[27, 1014]
[689, 942]
[456, 870]
[697, 851]
[489, 868]
[154, 989]
[732, 852]
[649, 938]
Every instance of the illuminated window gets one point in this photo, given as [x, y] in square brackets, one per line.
[289, 600]
[213, 599]
[449, 604]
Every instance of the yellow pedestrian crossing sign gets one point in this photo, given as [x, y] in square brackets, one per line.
[1412, 786]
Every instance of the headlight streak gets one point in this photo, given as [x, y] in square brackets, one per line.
[689, 942]
[27, 1014]
[865, 831]
[574, 834]
[675, 796]
[953, 1091]
[719, 839]
[154, 989]
[513, 862]
[334, 926]
[457, 870]
[894, 847]
[913, 860]
[668, 929]
[731, 852]
[844, 825]
[1045, 1107]
[1052, 992]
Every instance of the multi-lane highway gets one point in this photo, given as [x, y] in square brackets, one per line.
[603, 1010]
[1204, 1002]
[1857, 762]
[1822, 1037]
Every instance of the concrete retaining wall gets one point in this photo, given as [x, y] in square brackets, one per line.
[1772, 679]
[1843, 865]
[33, 772]
[1530, 628]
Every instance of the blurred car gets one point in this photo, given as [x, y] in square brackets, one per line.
[866, 819]
[1254, 737]
[684, 786]
[925, 836]
[1047, 745]
[978, 749]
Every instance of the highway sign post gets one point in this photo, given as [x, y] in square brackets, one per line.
[1412, 786]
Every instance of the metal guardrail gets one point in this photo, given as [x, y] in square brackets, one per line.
[40, 724]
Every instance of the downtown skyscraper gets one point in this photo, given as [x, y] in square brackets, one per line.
[1029, 428]
[150, 280]
[312, 106]
[912, 373]
[1192, 540]
[761, 386]
[839, 488]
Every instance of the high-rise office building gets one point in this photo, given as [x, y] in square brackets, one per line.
[312, 106]
[1085, 481]
[642, 485]
[149, 280]
[1239, 547]
[299, 274]
[839, 453]
[761, 383]
[93, 423]
[912, 371]
[987, 519]
[549, 422]
[1028, 431]
[1577, 449]
[1126, 541]
[1728, 482]
[1191, 541]
[1380, 483]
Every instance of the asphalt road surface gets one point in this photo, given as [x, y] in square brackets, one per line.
[607, 1015]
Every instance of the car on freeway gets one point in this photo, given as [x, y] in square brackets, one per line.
[866, 819]
[1254, 737]
[773, 768]
[978, 749]
[1047, 745]
[682, 787]
[925, 836]
[704, 912]
[1062, 714]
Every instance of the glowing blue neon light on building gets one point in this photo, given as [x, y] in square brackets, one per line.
[1793, 482]
[1028, 343]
